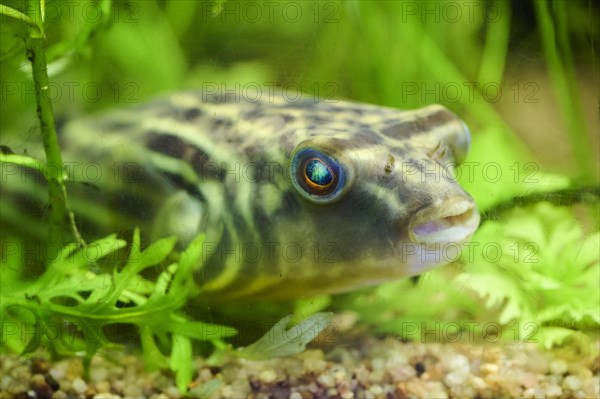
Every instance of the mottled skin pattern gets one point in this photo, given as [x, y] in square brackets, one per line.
[192, 163]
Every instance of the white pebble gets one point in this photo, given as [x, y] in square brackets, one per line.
[5, 380]
[489, 368]
[478, 382]
[132, 390]
[59, 395]
[103, 386]
[553, 391]
[58, 371]
[537, 362]
[377, 375]
[376, 390]
[295, 395]
[558, 367]
[347, 395]
[172, 392]
[339, 374]
[267, 376]
[377, 363]
[79, 386]
[529, 393]
[326, 380]
[458, 362]
[227, 392]
[572, 383]
[435, 389]
[402, 372]
[205, 375]
[314, 365]
[457, 377]
[98, 374]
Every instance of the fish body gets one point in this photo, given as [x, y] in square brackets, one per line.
[295, 198]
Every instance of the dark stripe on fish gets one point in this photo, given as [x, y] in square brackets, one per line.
[404, 129]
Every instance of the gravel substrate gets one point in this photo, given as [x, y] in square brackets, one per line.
[369, 368]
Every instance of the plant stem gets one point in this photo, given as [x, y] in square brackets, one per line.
[564, 197]
[54, 166]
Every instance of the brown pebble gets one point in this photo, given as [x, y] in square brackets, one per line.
[40, 366]
[280, 390]
[596, 365]
[40, 387]
[419, 368]
[254, 385]
[51, 382]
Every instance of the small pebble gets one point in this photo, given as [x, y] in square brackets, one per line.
[314, 365]
[79, 386]
[40, 365]
[374, 368]
[55, 385]
[553, 391]
[326, 380]
[376, 390]
[558, 367]
[40, 387]
[268, 376]
[458, 362]
[59, 395]
[295, 395]
[132, 390]
[172, 392]
[98, 374]
[457, 377]
[105, 395]
[572, 383]
[102, 386]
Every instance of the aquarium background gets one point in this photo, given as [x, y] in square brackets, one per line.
[523, 75]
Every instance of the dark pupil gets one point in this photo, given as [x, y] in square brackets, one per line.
[318, 173]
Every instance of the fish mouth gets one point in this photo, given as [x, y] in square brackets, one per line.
[452, 222]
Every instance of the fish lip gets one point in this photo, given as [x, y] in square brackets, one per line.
[451, 222]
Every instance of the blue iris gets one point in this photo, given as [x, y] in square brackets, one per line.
[318, 173]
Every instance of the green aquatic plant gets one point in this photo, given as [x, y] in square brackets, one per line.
[541, 271]
[81, 292]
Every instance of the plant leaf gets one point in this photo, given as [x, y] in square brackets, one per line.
[283, 341]
[181, 361]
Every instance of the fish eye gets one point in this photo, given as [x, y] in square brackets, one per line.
[317, 176]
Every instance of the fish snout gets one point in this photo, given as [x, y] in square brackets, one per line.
[453, 221]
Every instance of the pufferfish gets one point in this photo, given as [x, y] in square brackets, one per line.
[295, 197]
